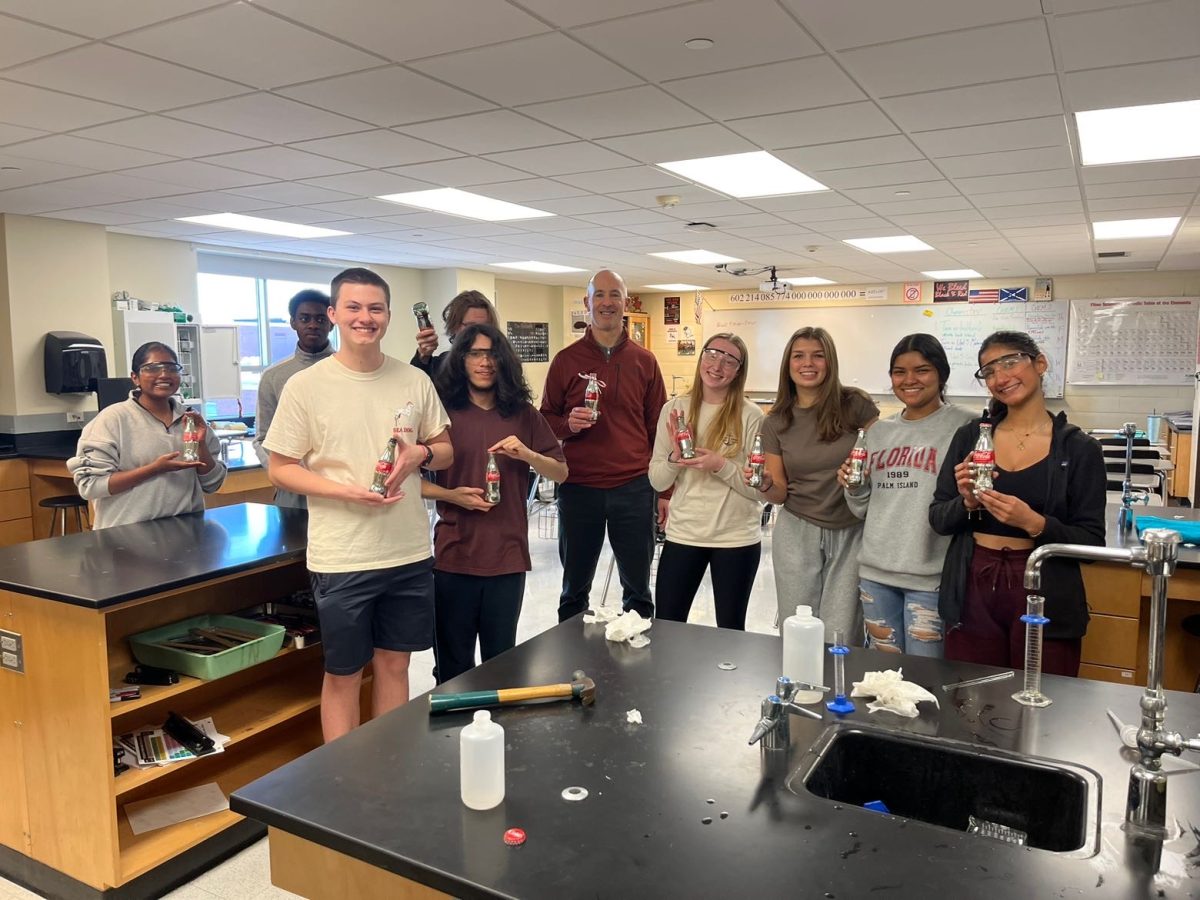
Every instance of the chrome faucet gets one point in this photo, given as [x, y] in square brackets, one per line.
[1128, 497]
[774, 729]
[1146, 810]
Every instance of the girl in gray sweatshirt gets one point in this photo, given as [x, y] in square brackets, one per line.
[900, 564]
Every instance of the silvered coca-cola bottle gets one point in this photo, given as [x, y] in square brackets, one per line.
[858, 460]
[421, 312]
[591, 396]
[384, 467]
[491, 492]
[757, 460]
[683, 437]
[191, 438]
[983, 458]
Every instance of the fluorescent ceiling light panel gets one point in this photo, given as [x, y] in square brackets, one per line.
[757, 174]
[901, 243]
[1134, 228]
[938, 274]
[696, 257]
[454, 202]
[676, 287]
[262, 226]
[807, 281]
[1139, 133]
[534, 266]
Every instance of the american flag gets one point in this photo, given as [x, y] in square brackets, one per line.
[984, 295]
[1014, 295]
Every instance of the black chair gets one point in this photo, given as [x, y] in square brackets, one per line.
[58, 507]
[1120, 442]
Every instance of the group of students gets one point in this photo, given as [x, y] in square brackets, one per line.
[911, 557]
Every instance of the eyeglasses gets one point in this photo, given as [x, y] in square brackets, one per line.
[1003, 364]
[477, 355]
[159, 368]
[721, 358]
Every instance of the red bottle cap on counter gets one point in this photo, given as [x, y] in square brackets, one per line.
[514, 837]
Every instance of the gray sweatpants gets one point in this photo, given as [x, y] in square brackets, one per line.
[818, 567]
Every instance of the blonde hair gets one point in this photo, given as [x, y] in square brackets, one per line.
[832, 398]
[728, 421]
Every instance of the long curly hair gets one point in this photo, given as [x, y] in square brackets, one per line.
[453, 385]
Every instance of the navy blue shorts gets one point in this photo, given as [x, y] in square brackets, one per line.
[389, 609]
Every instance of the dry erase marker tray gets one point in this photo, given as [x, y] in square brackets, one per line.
[255, 642]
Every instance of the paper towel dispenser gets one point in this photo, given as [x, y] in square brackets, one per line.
[74, 362]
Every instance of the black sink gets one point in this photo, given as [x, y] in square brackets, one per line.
[944, 783]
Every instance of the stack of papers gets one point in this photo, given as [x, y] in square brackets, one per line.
[146, 747]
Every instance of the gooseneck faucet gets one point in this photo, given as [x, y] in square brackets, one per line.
[774, 729]
[1128, 497]
[1146, 810]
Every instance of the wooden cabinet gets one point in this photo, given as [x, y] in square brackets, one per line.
[1179, 443]
[63, 806]
[638, 326]
[16, 515]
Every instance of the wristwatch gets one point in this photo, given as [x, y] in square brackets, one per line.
[428, 456]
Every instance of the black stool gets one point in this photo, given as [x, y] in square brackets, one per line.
[58, 507]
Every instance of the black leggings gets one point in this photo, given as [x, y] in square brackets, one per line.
[681, 569]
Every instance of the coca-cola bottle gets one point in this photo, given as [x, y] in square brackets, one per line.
[421, 311]
[591, 396]
[983, 458]
[757, 460]
[191, 438]
[384, 467]
[858, 460]
[683, 437]
[491, 491]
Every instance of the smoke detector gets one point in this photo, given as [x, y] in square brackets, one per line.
[700, 227]
[667, 200]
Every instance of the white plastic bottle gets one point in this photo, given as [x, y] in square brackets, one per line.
[804, 651]
[481, 762]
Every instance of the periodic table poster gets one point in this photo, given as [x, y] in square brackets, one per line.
[531, 340]
[1133, 340]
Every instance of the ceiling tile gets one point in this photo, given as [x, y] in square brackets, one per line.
[761, 90]
[1046, 131]
[282, 163]
[873, 176]
[679, 143]
[529, 189]
[631, 179]
[49, 110]
[855, 23]
[365, 208]
[421, 28]
[645, 108]
[377, 149]
[1154, 82]
[368, 184]
[269, 118]
[229, 42]
[1006, 162]
[96, 215]
[562, 159]
[688, 194]
[1147, 171]
[1021, 181]
[905, 206]
[465, 171]
[982, 55]
[851, 154]
[291, 194]
[198, 175]
[1035, 209]
[10, 134]
[219, 201]
[1143, 188]
[112, 186]
[488, 132]
[788, 202]
[100, 20]
[17, 171]
[502, 72]
[23, 41]
[922, 190]
[75, 151]
[119, 76]
[1130, 34]
[566, 13]
[815, 126]
[743, 30]
[159, 134]
[1020, 197]
[387, 96]
[1006, 101]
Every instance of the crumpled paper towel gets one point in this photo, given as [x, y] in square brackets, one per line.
[634, 717]
[620, 627]
[891, 692]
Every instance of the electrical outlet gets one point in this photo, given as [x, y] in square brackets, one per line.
[12, 652]
[74, 418]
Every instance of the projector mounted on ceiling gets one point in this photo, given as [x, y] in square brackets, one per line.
[773, 285]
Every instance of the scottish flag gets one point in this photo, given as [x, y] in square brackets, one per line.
[1014, 295]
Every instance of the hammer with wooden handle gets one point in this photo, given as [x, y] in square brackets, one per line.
[582, 688]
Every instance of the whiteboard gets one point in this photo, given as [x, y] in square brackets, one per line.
[1110, 339]
[865, 336]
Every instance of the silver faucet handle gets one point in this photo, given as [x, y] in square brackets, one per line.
[1128, 733]
[772, 714]
[786, 687]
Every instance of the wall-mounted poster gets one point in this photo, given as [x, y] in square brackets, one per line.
[531, 340]
[950, 291]
[1043, 289]
[699, 309]
[686, 348]
[670, 310]
[633, 303]
[672, 334]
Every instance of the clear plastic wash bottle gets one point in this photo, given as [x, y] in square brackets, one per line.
[804, 652]
[481, 762]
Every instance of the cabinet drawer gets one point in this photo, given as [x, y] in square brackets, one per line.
[1112, 590]
[14, 505]
[1111, 641]
[18, 531]
[14, 473]
[1107, 673]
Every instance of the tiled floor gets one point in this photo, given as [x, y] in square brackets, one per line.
[246, 876]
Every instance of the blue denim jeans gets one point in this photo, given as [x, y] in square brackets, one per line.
[901, 620]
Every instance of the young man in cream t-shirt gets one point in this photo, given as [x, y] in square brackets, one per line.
[368, 553]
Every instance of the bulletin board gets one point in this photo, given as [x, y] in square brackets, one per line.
[1133, 340]
[865, 336]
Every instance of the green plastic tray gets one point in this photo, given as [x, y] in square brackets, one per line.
[147, 651]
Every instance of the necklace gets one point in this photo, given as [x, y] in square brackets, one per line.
[1037, 429]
